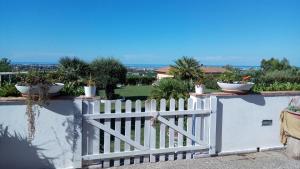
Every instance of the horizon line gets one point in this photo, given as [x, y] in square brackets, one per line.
[133, 64]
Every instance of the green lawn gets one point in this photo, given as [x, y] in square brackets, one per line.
[141, 92]
[135, 92]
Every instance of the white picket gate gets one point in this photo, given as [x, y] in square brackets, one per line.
[160, 132]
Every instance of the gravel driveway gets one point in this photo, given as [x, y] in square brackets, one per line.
[261, 160]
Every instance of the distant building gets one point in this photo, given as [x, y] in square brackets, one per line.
[164, 71]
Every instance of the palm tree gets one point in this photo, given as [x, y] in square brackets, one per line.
[73, 68]
[5, 65]
[169, 88]
[108, 73]
[187, 69]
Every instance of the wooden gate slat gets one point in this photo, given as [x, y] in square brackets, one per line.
[206, 105]
[96, 131]
[106, 163]
[162, 132]
[180, 125]
[140, 153]
[171, 130]
[137, 134]
[196, 133]
[117, 134]
[180, 130]
[117, 143]
[147, 130]
[128, 105]
[189, 128]
[153, 130]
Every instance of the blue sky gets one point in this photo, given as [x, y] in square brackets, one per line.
[217, 32]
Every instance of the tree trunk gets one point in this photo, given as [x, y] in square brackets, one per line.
[109, 91]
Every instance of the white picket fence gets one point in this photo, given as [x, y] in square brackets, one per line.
[158, 133]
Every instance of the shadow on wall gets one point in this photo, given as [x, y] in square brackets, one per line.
[219, 127]
[61, 107]
[72, 122]
[17, 153]
[255, 99]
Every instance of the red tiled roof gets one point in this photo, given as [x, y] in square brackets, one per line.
[207, 70]
[213, 70]
[164, 70]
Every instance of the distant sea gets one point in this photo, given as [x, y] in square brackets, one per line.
[155, 66]
[136, 66]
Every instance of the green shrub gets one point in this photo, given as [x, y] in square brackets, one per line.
[108, 72]
[170, 88]
[145, 80]
[8, 90]
[230, 77]
[5, 65]
[210, 81]
[281, 76]
[72, 89]
[132, 80]
[277, 86]
[275, 64]
[73, 68]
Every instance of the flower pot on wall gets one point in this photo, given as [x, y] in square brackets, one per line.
[90, 91]
[25, 89]
[199, 89]
[235, 87]
[53, 89]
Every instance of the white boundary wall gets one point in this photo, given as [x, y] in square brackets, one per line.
[240, 121]
[242, 117]
[54, 136]
[239, 128]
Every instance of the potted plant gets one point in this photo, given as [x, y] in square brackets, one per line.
[290, 120]
[90, 89]
[234, 83]
[199, 86]
[36, 82]
[36, 86]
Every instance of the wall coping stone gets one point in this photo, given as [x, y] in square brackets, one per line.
[266, 93]
[20, 99]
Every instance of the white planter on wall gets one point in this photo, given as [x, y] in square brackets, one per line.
[90, 91]
[55, 88]
[199, 89]
[235, 87]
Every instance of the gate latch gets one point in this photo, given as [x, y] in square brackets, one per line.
[154, 117]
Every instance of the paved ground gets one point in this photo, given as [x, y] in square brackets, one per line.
[261, 160]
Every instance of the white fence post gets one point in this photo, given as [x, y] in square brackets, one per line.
[171, 131]
[117, 142]
[153, 131]
[138, 127]
[128, 107]
[162, 131]
[77, 144]
[147, 130]
[107, 123]
[213, 125]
